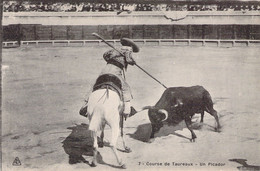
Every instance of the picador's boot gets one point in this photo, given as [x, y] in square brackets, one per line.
[84, 109]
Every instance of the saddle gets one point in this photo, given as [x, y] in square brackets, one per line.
[112, 82]
[109, 81]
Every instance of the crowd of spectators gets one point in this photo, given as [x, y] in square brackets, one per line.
[25, 6]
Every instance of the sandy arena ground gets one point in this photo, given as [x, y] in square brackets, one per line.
[43, 89]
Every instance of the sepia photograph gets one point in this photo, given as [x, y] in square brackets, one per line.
[130, 84]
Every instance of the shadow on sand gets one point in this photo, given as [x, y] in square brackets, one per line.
[80, 143]
[143, 132]
[244, 164]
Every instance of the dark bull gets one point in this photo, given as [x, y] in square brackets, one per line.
[181, 103]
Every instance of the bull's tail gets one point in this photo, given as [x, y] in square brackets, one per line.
[209, 107]
[207, 100]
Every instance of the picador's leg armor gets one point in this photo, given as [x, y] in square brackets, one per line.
[129, 110]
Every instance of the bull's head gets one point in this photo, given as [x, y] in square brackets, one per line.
[156, 116]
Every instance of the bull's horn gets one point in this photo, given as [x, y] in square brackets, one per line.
[163, 112]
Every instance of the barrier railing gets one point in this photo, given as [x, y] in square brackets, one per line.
[10, 44]
[145, 42]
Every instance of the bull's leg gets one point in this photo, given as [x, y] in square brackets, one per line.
[202, 116]
[215, 115]
[115, 133]
[152, 134]
[188, 124]
[153, 131]
[127, 149]
[95, 146]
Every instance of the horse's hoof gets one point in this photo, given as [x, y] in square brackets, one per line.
[192, 140]
[93, 164]
[128, 150]
[123, 166]
[217, 129]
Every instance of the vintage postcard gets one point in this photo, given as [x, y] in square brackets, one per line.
[140, 85]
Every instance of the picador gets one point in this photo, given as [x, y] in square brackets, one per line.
[114, 75]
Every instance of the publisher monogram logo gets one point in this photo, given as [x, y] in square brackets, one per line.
[17, 162]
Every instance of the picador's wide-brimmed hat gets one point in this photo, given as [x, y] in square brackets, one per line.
[129, 42]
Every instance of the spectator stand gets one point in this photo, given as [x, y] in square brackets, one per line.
[160, 5]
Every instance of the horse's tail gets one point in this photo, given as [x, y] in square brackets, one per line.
[96, 119]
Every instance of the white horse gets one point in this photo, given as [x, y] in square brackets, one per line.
[104, 107]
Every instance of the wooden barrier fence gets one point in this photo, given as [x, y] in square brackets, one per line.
[77, 32]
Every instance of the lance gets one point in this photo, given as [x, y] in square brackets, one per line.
[98, 36]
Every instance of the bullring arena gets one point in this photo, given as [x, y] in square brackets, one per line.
[44, 86]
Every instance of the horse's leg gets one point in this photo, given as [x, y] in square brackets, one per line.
[101, 142]
[95, 146]
[115, 133]
[127, 149]
[188, 124]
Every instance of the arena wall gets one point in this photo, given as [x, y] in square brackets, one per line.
[189, 25]
[23, 32]
[133, 18]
